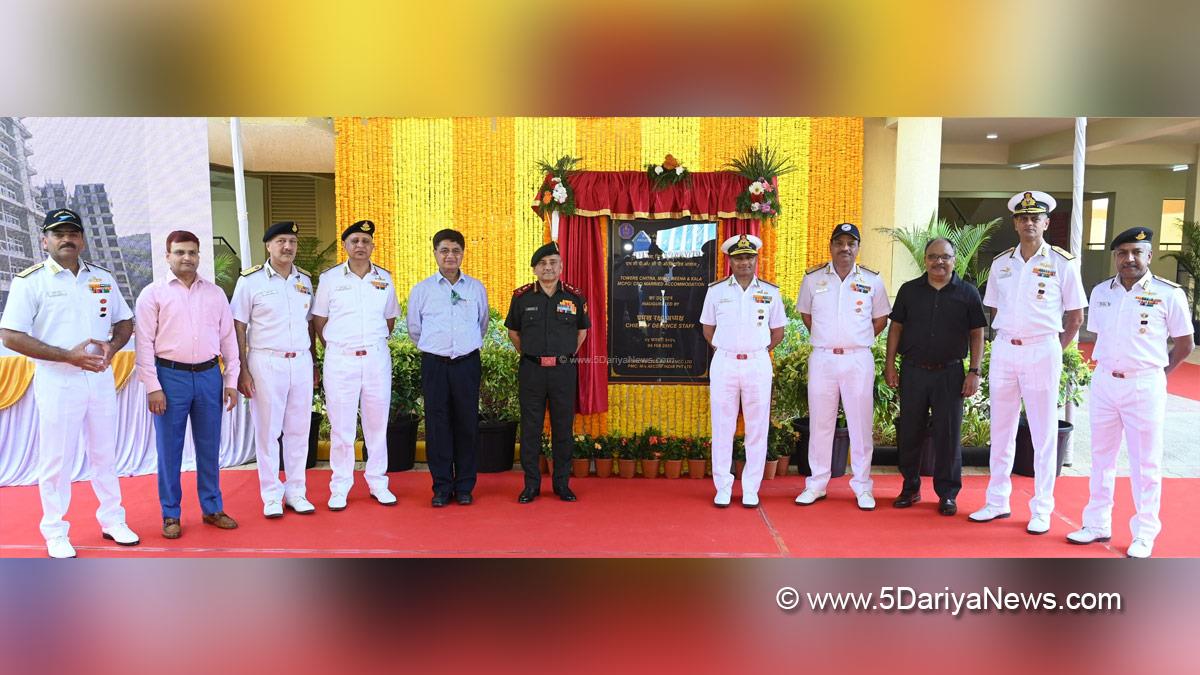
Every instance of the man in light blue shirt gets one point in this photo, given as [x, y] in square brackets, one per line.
[447, 318]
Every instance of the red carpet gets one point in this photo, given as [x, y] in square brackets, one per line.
[1183, 381]
[614, 518]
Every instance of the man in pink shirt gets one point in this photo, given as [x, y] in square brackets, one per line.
[183, 324]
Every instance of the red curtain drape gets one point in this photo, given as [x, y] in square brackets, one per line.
[625, 195]
[581, 243]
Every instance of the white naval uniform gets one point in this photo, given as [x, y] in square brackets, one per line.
[276, 309]
[1129, 393]
[50, 304]
[357, 365]
[1030, 297]
[841, 365]
[740, 375]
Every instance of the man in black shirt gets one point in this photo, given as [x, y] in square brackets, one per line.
[547, 322]
[934, 318]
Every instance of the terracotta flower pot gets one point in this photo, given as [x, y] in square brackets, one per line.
[581, 467]
[782, 469]
[738, 465]
[673, 467]
[696, 468]
[769, 469]
[626, 467]
[650, 468]
[604, 467]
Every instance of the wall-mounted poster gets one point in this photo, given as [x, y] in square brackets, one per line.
[659, 271]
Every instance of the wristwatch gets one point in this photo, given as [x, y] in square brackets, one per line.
[973, 370]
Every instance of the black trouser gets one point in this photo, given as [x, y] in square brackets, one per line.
[451, 390]
[539, 385]
[931, 399]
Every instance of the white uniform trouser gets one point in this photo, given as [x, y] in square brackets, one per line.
[1028, 372]
[347, 379]
[1134, 406]
[850, 376]
[744, 383]
[70, 400]
[282, 403]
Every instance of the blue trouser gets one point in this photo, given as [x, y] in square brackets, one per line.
[197, 395]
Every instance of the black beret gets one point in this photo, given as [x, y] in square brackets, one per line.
[548, 249]
[60, 217]
[285, 227]
[1134, 235]
[365, 226]
[846, 228]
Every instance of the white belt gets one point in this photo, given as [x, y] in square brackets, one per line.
[1026, 341]
[742, 356]
[279, 354]
[1129, 374]
[841, 350]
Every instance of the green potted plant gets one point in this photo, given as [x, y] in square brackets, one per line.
[404, 418]
[650, 452]
[968, 241]
[1188, 260]
[1073, 380]
[673, 453]
[603, 454]
[772, 463]
[781, 443]
[499, 404]
[581, 456]
[699, 450]
[546, 457]
[739, 456]
[627, 456]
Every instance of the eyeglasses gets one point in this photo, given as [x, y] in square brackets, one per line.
[939, 258]
[455, 298]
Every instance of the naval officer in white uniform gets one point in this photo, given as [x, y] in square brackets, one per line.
[742, 320]
[1132, 315]
[1038, 299]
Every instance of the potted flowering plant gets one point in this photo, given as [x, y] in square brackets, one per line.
[673, 452]
[763, 169]
[651, 449]
[581, 456]
[699, 450]
[602, 452]
[627, 456]
[739, 456]
[670, 172]
[781, 443]
[546, 460]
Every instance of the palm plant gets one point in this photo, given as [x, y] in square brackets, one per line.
[1188, 260]
[967, 240]
[311, 255]
[226, 267]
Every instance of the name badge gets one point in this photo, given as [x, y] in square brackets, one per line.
[342, 288]
[1005, 273]
[56, 294]
[820, 289]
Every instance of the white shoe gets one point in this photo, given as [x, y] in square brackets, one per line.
[750, 501]
[722, 499]
[60, 547]
[1140, 548]
[988, 513]
[384, 496]
[1088, 535]
[337, 501]
[273, 509]
[809, 497]
[866, 501]
[1038, 525]
[121, 534]
[300, 505]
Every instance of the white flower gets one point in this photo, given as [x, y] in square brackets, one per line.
[559, 193]
[756, 188]
[679, 171]
[754, 206]
[556, 179]
[658, 170]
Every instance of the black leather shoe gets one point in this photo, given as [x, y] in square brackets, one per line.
[527, 495]
[465, 498]
[906, 499]
[947, 507]
[439, 501]
[565, 494]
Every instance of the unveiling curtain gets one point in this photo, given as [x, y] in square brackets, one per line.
[581, 242]
[625, 195]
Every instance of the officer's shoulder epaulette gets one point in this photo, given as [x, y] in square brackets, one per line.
[1063, 252]
[719, 281]
[92, 264]
[322, 272]
[251, 270]
[30, 270]
[769, 284]
[573, 290]
[522, 290]
[303, 271]
[381, 267]
[1168, 282]
[1007, 251]
[814, 268]
[864, 267]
